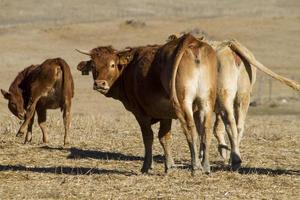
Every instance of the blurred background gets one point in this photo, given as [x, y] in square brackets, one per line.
[33, 30]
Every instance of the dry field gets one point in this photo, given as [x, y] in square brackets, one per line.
[104, 159]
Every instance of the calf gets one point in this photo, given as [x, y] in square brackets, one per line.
[38, 88]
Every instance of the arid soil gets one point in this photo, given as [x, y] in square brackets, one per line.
[106, 152]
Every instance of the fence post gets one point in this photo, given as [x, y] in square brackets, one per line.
[270, 89]
[259, 89]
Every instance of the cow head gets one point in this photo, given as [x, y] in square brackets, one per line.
[106, 65]
[15, 103]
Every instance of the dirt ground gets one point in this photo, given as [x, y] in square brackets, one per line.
[105, 157]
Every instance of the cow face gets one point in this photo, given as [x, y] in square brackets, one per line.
[15, 104]
[106, 65]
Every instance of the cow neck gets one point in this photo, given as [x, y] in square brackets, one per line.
[117, 90]
[18, 87]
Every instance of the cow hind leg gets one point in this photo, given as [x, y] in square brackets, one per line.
[242, 109]
[197, 118]
[219, 132]
[190, 130]
[67, 120]
[231, 128]
[165, 139]
[28, 136]
[42, 117]
[147, 133]
[206, 132]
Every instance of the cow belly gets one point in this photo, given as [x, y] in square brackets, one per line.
[49, 103]
[160, 108]
[53, 99]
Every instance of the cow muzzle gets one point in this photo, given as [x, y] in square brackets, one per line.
[101, 86]
[21, 116]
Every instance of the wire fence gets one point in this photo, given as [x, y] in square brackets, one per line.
[268, 90]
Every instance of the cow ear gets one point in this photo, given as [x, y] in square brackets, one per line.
[172, 37]
[125, 59]
[5, 94]
[201, 38]
[84, 67]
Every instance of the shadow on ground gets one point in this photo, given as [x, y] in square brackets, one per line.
[64, 170]
[76, 153]
[255, 170]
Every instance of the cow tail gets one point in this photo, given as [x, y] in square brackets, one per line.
[183, 44]
[244, 52]
[68, 83]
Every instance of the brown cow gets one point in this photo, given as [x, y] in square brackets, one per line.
[161, 83]
[38, 88]
[236, 78]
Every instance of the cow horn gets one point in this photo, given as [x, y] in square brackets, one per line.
[84, 52]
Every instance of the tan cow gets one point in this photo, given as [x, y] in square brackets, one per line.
[38, 88]
[161, 83]
[236, 78]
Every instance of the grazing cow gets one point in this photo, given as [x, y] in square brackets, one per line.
[38, 88]
[236, 78]
[161, 83]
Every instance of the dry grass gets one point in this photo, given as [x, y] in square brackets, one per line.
[106, 154]
[103, 162]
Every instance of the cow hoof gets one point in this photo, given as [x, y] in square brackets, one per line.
[195, 172]
[235, 161]
[152, 165]
[20, 134]
[169, 169]
[45, 140]
[148, 164]
[144, 170]
[169, 164]
[27, 141]
[196, 168]
[223, 151]
[66, 144]
[235, 166]
[206, 167]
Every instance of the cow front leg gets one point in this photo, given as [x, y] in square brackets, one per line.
[29, 114]
[28, 136]
[67, 120]
[165, 139]
[147, 134]
[42, 117]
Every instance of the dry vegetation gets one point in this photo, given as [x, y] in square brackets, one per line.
[105, 157]
[104, 162]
